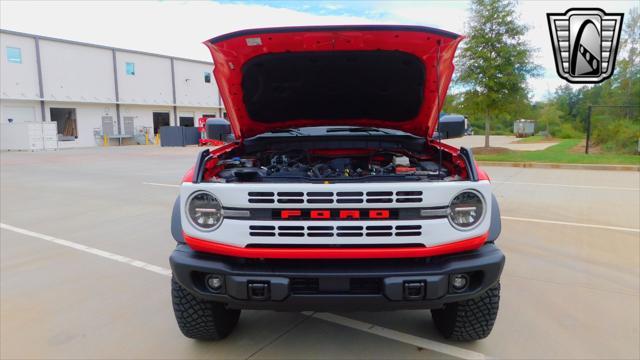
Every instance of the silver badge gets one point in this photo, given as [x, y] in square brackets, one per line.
[585, 44]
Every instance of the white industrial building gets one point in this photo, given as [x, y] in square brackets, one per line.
[89, 90]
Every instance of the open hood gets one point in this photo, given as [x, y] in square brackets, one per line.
[392, 77]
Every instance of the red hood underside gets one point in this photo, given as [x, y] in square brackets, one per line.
[398, 77]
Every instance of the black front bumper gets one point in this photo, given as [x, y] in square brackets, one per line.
[337, 285]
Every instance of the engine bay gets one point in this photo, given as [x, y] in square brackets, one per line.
[334, 165]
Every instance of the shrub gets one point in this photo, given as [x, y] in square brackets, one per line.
[618, 136]
[565, 131]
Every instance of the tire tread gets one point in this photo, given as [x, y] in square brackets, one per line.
[471, 319]
[200, 319]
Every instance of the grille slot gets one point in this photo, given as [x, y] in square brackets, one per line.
[340, 197]
[349, 201]
[261, 201]
[408, 233]
[349, 228]
[316, 231]
[262, 233]
[408, 200]
[319, 194]
[320, 234]
[290, 228]
[378, 234]
[290, 201]
[321, 201]
[262, 227]
[320, 228]
[291, 234]
[379, 200]
[379, 193]
[408, 227]
[408, 193]
[261, 194]
[349, 194]
[349, 234]
[290, 194]
[379, 227]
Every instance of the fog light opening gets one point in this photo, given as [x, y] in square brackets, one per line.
[214, 282]
[459, 282]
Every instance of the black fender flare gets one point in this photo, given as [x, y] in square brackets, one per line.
[496, 222]
[176, 223]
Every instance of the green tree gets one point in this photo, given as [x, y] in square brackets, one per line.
[495, 61]
[549, 116]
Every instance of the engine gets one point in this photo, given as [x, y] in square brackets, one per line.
[313, 166]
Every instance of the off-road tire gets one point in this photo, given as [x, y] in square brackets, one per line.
[468, 320]
[200, 319]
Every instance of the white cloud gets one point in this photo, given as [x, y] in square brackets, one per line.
[166, 27]
[447, 15]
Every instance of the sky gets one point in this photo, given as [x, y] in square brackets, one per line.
[178, 28]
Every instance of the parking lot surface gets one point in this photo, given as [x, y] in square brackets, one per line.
[84, 269]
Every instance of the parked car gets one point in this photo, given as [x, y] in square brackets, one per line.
[334, 196]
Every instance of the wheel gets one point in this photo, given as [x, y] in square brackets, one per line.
[468, 320]
[200, 319]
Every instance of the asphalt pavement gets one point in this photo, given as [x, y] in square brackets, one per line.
[84, 246]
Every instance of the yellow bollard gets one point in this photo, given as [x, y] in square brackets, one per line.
[106, 141]
[146, 138]
[157, 139]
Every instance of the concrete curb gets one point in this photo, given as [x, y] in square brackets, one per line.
[562, 166]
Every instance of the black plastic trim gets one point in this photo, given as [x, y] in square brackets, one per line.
[198, 170]
[176, 222]
[275, 30]
[496, 223]
[485, 264]
[467, 155]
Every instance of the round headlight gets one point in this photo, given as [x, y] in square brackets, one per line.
[466, 210]
[204, 211]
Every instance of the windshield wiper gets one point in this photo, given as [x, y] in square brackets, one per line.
[293, 131]
[358, 129]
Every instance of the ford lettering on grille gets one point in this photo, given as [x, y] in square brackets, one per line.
[334, 214]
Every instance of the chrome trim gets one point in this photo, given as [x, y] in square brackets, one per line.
[186, 211]
[482, 216]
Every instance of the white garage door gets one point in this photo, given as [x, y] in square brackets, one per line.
[19, 114]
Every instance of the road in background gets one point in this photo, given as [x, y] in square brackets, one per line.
[568, 291]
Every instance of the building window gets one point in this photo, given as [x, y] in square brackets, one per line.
[207, 77]
[14, 55]
[131, 68]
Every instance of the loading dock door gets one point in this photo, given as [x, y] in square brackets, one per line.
[128, 125]
[107, 125]
[160, 119]
[66, 121]
[18, 114]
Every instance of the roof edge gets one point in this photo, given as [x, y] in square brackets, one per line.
[99, 46]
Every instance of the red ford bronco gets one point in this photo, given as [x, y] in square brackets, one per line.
[337, 193]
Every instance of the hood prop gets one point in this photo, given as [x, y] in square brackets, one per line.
[438, 114]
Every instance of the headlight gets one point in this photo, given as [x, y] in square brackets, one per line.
[466, 210]
[204, 211]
